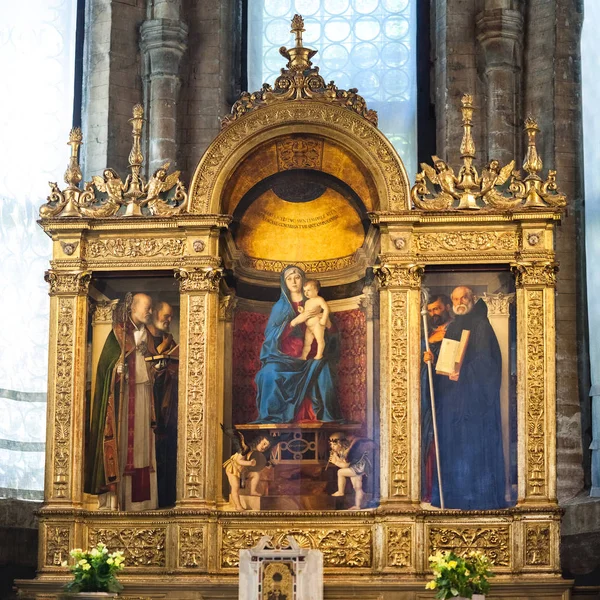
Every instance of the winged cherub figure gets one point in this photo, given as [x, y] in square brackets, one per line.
[112, 185]
[247, 461]
[492, 176]
[444, 177]
[159, 183]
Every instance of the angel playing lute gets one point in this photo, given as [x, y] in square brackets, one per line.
[247, 461]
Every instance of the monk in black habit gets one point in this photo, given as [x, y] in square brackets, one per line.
[468, 414]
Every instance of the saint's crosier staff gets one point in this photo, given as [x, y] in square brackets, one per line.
[424, 302]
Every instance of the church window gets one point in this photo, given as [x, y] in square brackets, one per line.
[364, 44]
[37, 49]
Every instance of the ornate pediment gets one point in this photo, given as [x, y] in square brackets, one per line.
[299, 81]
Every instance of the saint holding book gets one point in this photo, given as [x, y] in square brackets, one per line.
[467, 395]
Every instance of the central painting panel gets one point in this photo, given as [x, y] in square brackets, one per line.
[301, 430]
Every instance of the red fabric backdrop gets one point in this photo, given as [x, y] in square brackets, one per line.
[351, 388]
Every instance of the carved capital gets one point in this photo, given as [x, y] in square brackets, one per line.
[543, 273]
[227, 306]
[68, 283]
[205, 279]
[394, 275]
[498, 304]
[103, 311]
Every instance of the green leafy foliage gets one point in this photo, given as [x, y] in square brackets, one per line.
[95, 570]
[459, 576]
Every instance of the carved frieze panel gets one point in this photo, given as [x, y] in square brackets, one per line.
[142, 547]
[493, 541]
[191, 547]
[399, 546]
[58, 544]
[537, 544]
[466, 241]
[135, 248]
[341, 547]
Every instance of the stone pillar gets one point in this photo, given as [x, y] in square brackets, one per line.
[536, 376]
[198, 418]
[455, 73]
[399, 387]
[498, 314]
[111, 85]
[163, 42]
[500, 35]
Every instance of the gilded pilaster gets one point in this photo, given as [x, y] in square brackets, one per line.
[536, 378]
[399, 404]
[66, 385]
[198, 416]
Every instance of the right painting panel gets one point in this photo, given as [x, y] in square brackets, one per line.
[468, 390]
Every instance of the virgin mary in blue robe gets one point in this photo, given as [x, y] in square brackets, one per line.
[288, 388]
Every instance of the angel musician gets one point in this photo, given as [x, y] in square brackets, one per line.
[246, 463]
[352, 458]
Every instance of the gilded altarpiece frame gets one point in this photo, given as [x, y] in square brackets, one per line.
[192, 550]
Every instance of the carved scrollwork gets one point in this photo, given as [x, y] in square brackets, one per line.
[191, 547]
[141, 547]
[194, 460]
[135, 247]
[466, 241]
[299, 153]
[71, 282]
[315, 266]
[543, 273]
[493, 541]
[348, 547]
[399, 544]
[398, 390]
[57, 545]
[535, 409]
[537, 544]
[63, 396]
[205, 279]
[399, 275]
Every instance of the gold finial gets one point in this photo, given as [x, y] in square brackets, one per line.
[467, 147]
[73, 173]
[532, 163]
[136, 159]
[298, 56]
[298, 29]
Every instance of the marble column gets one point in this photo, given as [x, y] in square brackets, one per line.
[163, 43]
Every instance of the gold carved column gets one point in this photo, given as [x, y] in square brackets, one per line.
[536, 394]
[198, 411]
[399, 404]
[66, 411]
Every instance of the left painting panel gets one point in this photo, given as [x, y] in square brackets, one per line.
[131, 392]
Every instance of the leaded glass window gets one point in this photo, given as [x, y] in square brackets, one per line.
[37, 56]
[367, 44]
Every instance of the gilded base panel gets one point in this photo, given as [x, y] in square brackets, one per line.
[391, 587]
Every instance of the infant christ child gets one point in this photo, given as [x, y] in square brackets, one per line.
[315, 325]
